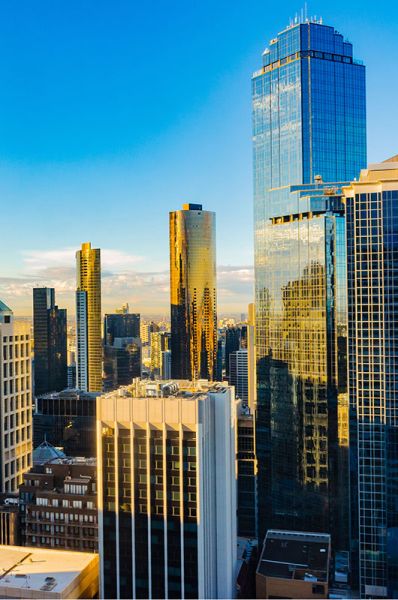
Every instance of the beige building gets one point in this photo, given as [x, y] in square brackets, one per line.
[88, 319]
[251, 357]
[29, 572]
[15, 400]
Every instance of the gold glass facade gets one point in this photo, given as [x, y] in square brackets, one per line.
[193, 293]
[88, 268]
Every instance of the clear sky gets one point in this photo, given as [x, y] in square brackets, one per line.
[114, 112]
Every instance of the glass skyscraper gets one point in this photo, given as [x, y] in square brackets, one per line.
[193, 295]
[309, 127]
[372, 253]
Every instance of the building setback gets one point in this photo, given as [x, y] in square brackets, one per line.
[166, 455]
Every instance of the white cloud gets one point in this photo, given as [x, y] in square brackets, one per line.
[38, 260]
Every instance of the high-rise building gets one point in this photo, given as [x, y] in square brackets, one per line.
[372, 259]
[193, 293]
[246, 475]
[121, 325]
[309, 126]
[232, 344]
[122, 363]
[50, 342]
[238, 374]
[166, 364]
[88, 319]
[15, 400]
[251, 358]
[167, 490]
[160, 342]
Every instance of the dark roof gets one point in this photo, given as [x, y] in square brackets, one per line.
[295, 555]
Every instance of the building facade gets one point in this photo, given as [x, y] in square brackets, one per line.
[66, 419]
[15, 400]
[372, 253]
[58, 505]
[247, 475]
[50, 342]
[88, 319]
[121, 325]
[193, 293]
[239, 374]
[167, 490]
[309, 127]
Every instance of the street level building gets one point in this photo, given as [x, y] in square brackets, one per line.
[30, 572]
[167, 490]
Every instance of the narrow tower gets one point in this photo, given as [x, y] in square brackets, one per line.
[88, 319]
[193, 293]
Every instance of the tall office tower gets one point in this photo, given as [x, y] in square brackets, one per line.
[372, 258]
[239, 375]
[166, 364]
[167, 490]
[50, 342]
[193, 293]
[251, 358]
[246, 475]
[15, 400]
[88, 319]
[309, 126]
[121, 325]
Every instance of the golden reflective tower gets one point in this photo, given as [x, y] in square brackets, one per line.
[193, 293]
[88, 319]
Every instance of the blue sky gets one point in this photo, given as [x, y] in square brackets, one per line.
[114, 113]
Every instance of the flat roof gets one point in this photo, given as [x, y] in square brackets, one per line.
[295, 555]
[28, 568]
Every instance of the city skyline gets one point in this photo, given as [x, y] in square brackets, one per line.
[149, 170]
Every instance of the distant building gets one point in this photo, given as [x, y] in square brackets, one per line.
[193, 293]
[30, 572]
[122, 363]
[15, 400]
[120, 325]
[50, 342]
[238, 374]
[88, 319]
[294, 564]
[160, 342]
[166, 364]
[67, 420]
[58, 503]
[166, 453]
[232, 344]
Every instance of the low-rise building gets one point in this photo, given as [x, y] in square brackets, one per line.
[58, 505]
[294, 564]
[38, 573]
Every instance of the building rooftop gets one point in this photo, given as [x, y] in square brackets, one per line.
[295, 555]
[27, 572]
[177, 388]
[4, 307]
[46, 453]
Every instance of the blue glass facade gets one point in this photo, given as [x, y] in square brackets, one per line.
[372, 253]
[309, 126]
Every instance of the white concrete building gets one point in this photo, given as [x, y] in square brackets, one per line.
[167, 490]
[15, 400]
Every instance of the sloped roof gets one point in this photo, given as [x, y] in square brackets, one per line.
[4, 307]
[46, 453]
[392, 159]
